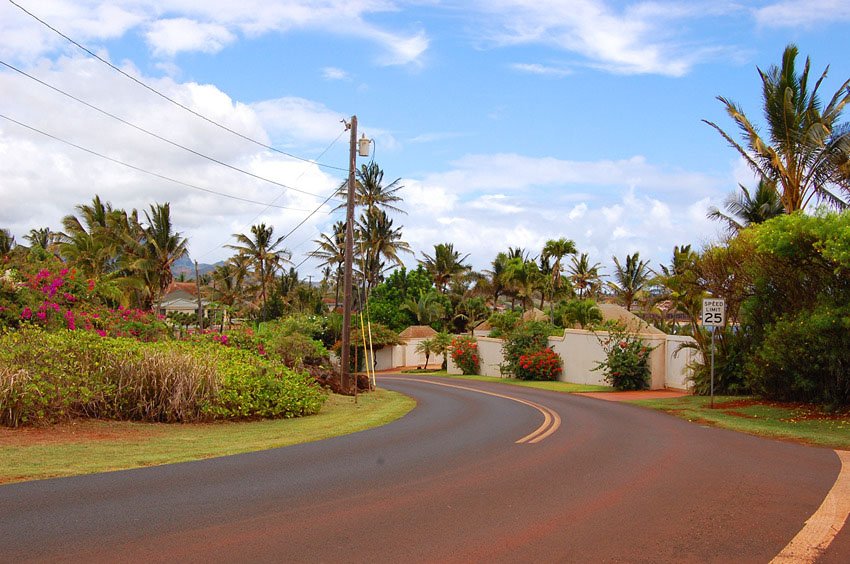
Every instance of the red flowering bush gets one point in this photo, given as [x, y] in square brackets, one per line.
[626, 364]
[544, 364]
[465, 354]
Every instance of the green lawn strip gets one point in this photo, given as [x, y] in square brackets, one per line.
[148, 444]
[550, 385]
[806, 424]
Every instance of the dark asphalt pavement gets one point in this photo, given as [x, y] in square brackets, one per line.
[447, 483]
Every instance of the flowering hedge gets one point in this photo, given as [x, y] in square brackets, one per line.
[544, 364]
[626, 364]
[465, 354]
[54, 297]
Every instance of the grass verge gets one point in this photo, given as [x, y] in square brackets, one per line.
[552, 386]
[85, 447]
[795, 422]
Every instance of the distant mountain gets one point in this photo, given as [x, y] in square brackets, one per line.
[186, 267]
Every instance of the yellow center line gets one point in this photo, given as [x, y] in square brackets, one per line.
[551, 420]
[820, 529]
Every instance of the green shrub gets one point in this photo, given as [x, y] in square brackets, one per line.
[730, 354]
[805, 357]
[626, 364]
[464, 350]
[47, 376]
[544, 364]
[526, 338]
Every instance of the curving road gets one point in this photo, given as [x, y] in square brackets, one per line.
[453, 481]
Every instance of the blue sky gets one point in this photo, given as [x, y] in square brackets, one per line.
[509, 122]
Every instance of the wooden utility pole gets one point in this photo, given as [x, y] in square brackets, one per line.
[198, 288]
[347, 301]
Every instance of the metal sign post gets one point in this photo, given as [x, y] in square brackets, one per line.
[714, 316]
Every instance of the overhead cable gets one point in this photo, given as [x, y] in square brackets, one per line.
[168, 98]
[140, 169]
[155, 135]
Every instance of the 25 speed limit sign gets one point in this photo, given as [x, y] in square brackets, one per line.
[713, 312]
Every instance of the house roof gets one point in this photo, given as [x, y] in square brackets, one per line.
[188, 287]
[484, 326]
[631, 321]
[417, 332]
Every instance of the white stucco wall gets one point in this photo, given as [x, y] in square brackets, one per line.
[580, 351]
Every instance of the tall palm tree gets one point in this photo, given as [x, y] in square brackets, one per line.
[379, 240]
[161, 248]
[7, 242]
[584, 276]
[332, 252]
[743, 209]
[630, 278]
[520, 275]
[445, 265]
[807, 148]
[42, 237]
[370, 192]
[496, 276]
[87, 241]
[262, 248]
[426, 308]
[557, 249]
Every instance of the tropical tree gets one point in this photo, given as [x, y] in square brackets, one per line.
[332, 252]
[584, 276]
[426, 347]
[425, 308]
[445, 265]
[87, 241]
[370, 191]
[263, 250]
[744, 209]
[806, 149]
[557, 249]
[42, 237]
[161, 248]
[582, 313]
[7, 241]
[520, 276]
[378, 240]
[630, 278]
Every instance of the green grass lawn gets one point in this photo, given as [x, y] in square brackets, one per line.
[552, 386]
[97, 446]
[797, 422]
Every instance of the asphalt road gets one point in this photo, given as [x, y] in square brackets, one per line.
[447, 483]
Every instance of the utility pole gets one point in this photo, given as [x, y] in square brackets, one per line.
[347, 301]
[198, 287]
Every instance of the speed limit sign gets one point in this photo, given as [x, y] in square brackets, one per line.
[713, 312]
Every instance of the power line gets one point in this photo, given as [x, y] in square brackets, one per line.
[155, 135]
[140, 169]
[165, 97]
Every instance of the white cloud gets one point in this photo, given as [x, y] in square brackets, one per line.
[544, 70]
[640, 39]
[333, 73]
[54, 177]
[174, 26]
[577, 212]
[292, 118]
[168, 37]
[496, 203]
[803, 13]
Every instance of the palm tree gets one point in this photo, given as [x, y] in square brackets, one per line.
[426, 347]
[161, 248]
[446, 265]
[370, 192]
[806, 152]
[496, 276]
[520, 276]
[42, 237]
[332, 252]
[584, 276]
[629, 279]
[7, 242]
[263, 250]
[557, 249]
[426, 308]
[378, 241]
[87, 242]
[745, 209]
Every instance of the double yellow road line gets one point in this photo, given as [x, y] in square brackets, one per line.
[551, 420]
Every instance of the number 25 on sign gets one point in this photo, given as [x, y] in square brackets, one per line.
[713, 311]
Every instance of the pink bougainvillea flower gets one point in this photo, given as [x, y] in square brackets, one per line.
[26, 313]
